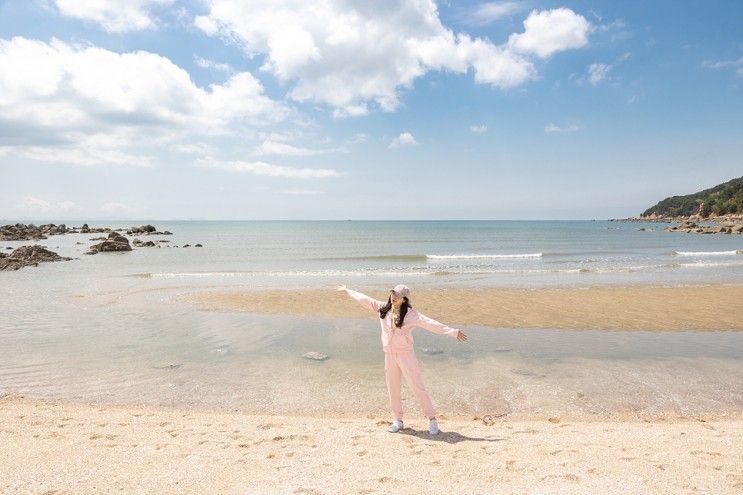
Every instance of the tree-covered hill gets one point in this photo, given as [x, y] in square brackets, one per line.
[723, 199]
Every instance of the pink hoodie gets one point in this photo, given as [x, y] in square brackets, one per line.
[400, 339]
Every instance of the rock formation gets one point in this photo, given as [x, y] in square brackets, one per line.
[28, 256]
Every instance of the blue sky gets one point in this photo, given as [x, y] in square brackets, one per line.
[230, 109]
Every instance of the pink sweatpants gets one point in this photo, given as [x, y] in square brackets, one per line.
[405, 363]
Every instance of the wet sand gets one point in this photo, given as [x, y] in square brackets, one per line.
[54, 447]
[702, 307]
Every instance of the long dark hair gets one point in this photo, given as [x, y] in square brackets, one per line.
[403, 310]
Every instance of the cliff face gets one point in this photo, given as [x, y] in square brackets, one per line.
[723, 199]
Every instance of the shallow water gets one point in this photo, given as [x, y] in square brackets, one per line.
[108, 328]
[121, 352]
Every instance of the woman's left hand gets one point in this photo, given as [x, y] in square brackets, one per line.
[461, 336]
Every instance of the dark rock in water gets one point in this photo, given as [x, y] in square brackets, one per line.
[198, 245]
[98, 238]
[315, 356]
[163, 240]
[21, 232]
[114, 243]
[29, 256]
[431, 350]
[139, 243]
[694, 228]
[145, 230]
[186, 245]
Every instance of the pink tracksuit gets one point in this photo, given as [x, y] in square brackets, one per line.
[399, 356]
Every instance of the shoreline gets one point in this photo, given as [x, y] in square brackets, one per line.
[710, 307]
[67, 448]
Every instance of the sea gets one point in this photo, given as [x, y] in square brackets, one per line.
[112, 328]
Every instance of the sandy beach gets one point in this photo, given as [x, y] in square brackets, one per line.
[701, 307]
[54, 447]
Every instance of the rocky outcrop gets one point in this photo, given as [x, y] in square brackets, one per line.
[22, 232]
[146, 230]
[28, 256]
[84, 229]
[139, 243]
[695, 228]
[115, 243]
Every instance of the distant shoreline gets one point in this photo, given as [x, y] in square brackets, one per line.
[690, 218]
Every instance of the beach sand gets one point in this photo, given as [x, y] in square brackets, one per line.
[702, 307]
[53, 447]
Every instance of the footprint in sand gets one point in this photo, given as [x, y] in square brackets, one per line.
[307, 491]
[703, 453]
[362, 453]
[387, 479]
[567, 477]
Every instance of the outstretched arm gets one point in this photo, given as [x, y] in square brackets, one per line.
[438, 327]
[364, 300]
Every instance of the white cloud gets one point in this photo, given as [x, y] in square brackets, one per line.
[479, 129]
[489, 12]
[737, 65]
[597, 73]
[404, 139]
[86, 105]
[33, 205]
[283, 149]
[556, 129]
[357, 138]
[550, 31]
[212, 65]
[267, 169]
[353, 55]
[82, 154]
[114, 15]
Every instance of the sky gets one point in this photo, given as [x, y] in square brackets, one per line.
[342, 109]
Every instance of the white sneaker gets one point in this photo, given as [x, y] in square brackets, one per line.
[433, 427]
[395, 427]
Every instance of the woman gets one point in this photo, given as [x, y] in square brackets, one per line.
[398, 318]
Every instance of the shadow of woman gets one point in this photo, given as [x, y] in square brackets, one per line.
[446, 436]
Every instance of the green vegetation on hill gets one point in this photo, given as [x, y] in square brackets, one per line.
[723, 199]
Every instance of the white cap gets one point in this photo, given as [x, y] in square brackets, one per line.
[401, 290]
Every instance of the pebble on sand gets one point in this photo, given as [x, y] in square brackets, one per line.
[315, 356]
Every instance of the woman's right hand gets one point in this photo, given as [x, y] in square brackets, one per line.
[340, 288]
